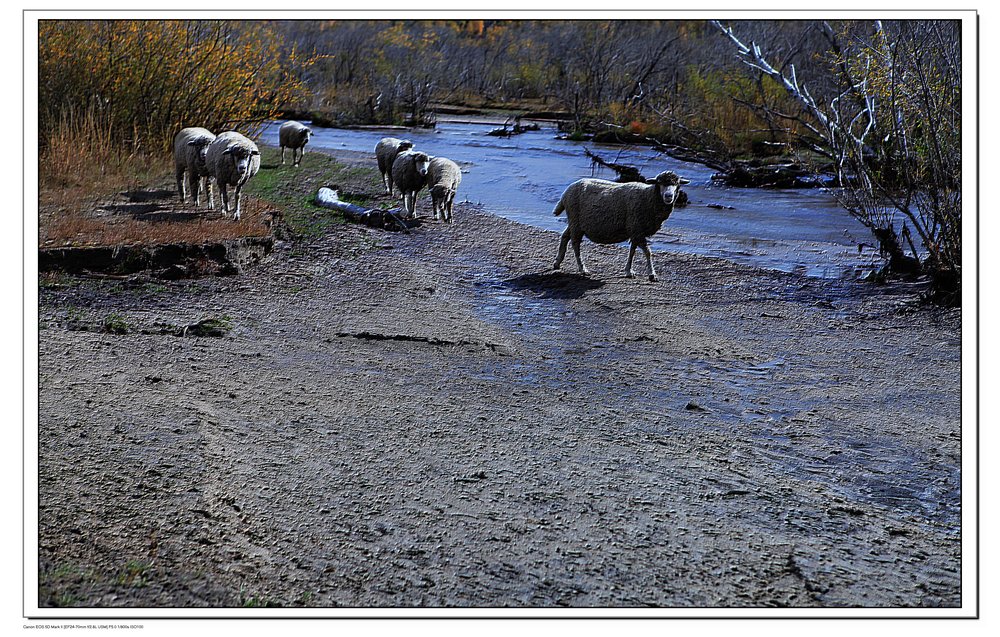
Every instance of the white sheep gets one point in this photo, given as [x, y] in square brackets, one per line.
[610, 212]
[190, 150]
[232, 160]
[295, 136]
[385, 153]
[443, 179]
[409, 174]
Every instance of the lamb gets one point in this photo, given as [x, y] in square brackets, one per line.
[295, 136]
[232, 160]
[609, 212]
[443, 178]
[409, 173]
[190, 149]
[385, 153]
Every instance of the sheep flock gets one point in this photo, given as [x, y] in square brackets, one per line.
[605, 212]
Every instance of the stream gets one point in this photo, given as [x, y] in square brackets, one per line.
[522, 177]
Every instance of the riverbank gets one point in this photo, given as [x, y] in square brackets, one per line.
[437, 419]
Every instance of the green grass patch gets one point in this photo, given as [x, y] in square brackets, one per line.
[294, 188]
[59, 587]
[134, 574]
[115, 323]
[256, 601]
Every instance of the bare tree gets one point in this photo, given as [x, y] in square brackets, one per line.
[893, 129]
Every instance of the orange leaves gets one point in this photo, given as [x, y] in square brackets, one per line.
[152, 77]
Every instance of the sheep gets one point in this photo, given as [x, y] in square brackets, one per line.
[385, 153]
[609, 212]
[232, 160]
[295, 136]
[190, 149]
[409, 173]
[443, 179]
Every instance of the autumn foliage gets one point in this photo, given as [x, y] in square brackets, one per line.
[143, 80]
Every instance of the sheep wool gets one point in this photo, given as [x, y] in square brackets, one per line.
[293, 135]
[385, 154]
[443, 179]
[190, 151]
[610, 212]
[409, 173]
[232, 160]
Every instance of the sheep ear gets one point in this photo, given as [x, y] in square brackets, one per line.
[254, 152]
[685, 181]
[650, 181]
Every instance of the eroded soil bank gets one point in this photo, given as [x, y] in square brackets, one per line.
[438, 419]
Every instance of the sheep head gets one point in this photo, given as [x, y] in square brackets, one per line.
[241, 157]
[422, 162]
[202, 145]
[669, 184]
[405, 145]
[304, 136]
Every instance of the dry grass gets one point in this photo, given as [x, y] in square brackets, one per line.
[152, 224]
[94, 193]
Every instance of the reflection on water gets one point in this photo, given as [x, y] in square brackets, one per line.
[522, 177]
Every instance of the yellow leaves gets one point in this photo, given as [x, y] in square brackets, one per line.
[155, 74]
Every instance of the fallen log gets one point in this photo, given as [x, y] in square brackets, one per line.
[385, 219]
[516, 129]
[783, 175]
[625, 172]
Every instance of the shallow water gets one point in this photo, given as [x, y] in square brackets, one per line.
[522, 178]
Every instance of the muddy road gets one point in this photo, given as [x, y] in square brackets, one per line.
[438, 419]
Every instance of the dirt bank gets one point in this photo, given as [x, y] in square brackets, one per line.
[438, 419]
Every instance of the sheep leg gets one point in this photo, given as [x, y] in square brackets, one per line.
[225, 198]
[208, 192]
[629, 272]
[450, 203]
[283, 155]
[579, 260]
[649, 260]
[194, 186]
[180, 184]
[563, 242]
[236, 215]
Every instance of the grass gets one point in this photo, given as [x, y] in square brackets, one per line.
[256, 601]
[115, 323]
[96, 198]
[293, 189]
[53, 586]
[94, 192]
[81, 227]
[134, 574]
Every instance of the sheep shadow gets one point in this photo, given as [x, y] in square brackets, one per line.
[555, 284]
[144, 196]
[153, 212]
